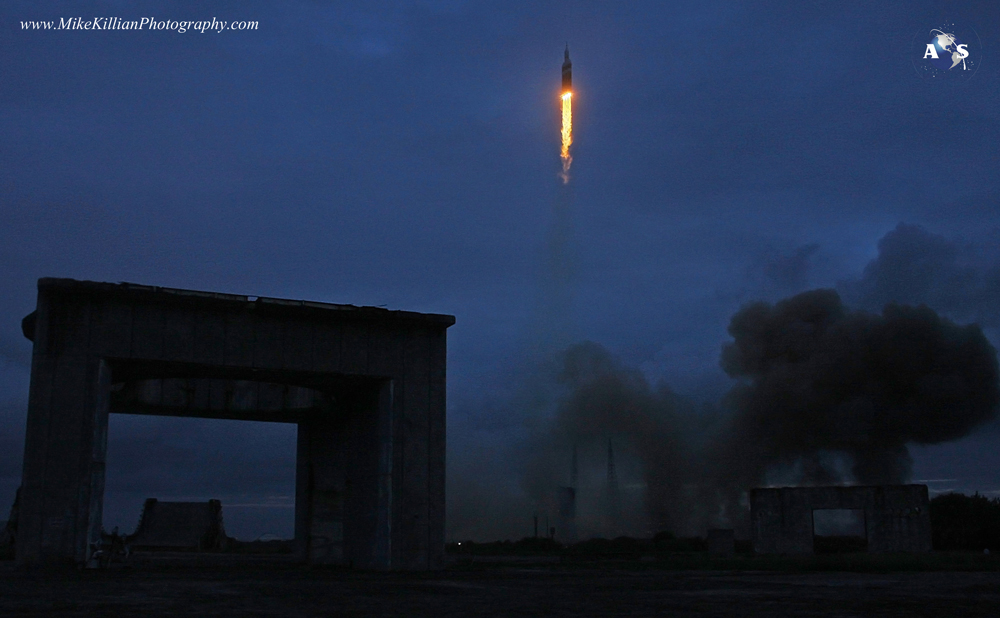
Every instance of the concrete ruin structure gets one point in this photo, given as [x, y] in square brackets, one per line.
[896, 517]
[365, 386]
[179, 526]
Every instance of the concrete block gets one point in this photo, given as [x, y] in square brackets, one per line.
[147, 331]
[897, 517]
[365, 385]
[354, 348]
[268, 339]
[326, 347]
[210, 338]
[240, 337]
[178, 334]
[297, 346]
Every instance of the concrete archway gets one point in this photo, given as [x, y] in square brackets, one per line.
[366, 387]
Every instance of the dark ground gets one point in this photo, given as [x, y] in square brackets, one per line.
[247, 586]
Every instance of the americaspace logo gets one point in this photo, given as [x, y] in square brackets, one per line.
[948, 52]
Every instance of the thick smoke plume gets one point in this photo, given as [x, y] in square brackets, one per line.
[604, 400]
[821, 378]
[825, 395]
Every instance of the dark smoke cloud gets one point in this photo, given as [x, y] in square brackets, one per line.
[820, 378]
[825, 394]
[915, 266]
[655, 434]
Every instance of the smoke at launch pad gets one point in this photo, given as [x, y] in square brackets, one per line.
[824, 394]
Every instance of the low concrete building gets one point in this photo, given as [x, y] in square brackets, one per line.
[366, 387]
[896, 518]
[179, 526]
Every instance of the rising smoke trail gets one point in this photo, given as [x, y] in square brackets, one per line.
[553, 328]
[550, 336]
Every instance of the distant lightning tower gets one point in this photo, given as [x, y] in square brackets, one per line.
[614, 499]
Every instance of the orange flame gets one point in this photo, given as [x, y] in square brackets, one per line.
[567, 134]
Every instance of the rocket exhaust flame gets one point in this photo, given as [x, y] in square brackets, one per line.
[567, 135]
[567, 115]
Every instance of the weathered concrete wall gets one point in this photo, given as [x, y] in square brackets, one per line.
[365, 385]
[897, 517]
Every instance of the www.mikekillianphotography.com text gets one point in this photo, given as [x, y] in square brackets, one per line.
[145, 23]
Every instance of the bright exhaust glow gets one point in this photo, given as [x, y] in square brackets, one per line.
[567, 134]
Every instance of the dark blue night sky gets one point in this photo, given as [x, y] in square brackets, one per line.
[406, 154]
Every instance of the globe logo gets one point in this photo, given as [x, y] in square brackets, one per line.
[946, 51]
[949, 52]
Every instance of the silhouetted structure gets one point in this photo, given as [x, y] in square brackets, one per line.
[179, 526]
[366, 387]
[614, 497]
[8, 529]
[566, 501]
[896, 517]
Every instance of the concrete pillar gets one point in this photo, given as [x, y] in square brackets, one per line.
[344, 481]
[320, 491]
[65, 441]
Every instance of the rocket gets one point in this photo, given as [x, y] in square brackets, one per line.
[567, 73]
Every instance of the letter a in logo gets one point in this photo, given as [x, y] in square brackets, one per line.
[931, 52]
